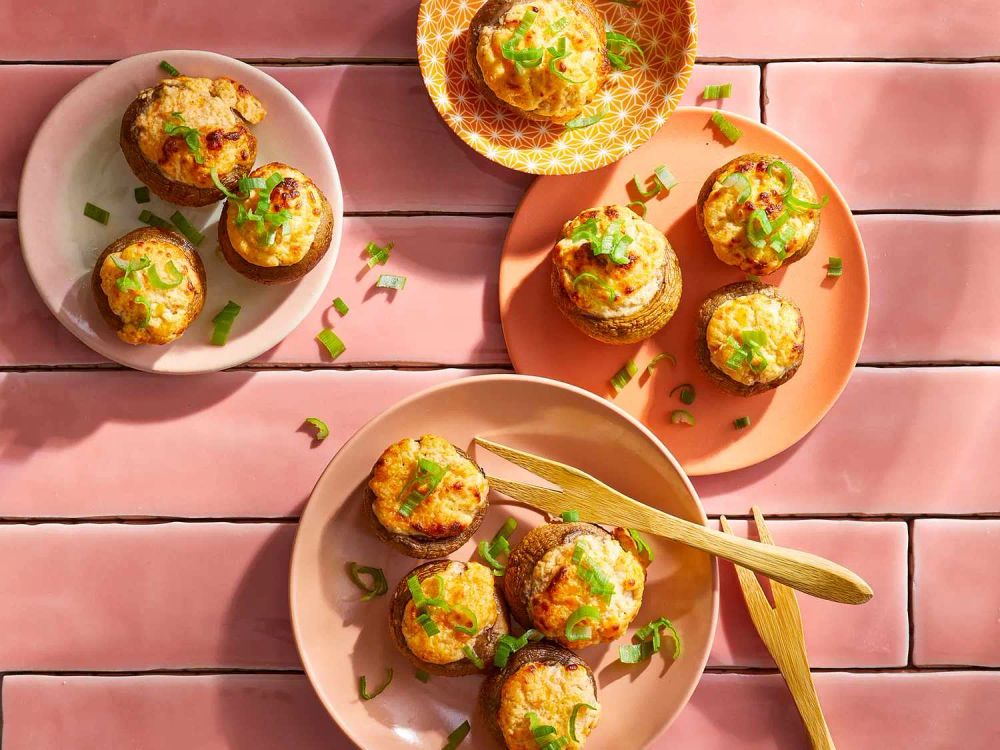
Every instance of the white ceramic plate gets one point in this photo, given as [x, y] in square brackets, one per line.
[75, 158]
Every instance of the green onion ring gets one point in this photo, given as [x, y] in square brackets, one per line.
[572, 719]
[187, 228]
[456, 737]
[646, 194]
[590, 276]
[798, 205]
[223, 322]
[484, 552]
[687, 393]
[378, 585]
[640, 214]
[157, 281]
[624, 375]
[506, 530]
[390, 281]
[147, 217]
[681, 416]
[466, 612]
[214, 173]
[730, 131]
[664, 177]
[140, 299]
[741, 181]
[430, 628]
[363, 687]
[758, 228]
[141, 194]
[659, 358]
[472, 656]
[717, 91]
[579, 615]
[834, 267]
[331, 341]
[786, 175]
[322, 431]
[640, 543]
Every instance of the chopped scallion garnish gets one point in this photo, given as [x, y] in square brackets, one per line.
[422, 675]
[641, 545]
[472, 656]
[664, 177]
[340, 306]
[158, 282]
[141, 194]
[378, 585]
[391, 281]
[574, 630]
[187, 228]
[786, 175]
[741, 423]
[456, 737]
[640, 211]
[659, 358]
[473, 627]
[558, 53]
[741, 182]
[681, 416]
[593, 277]
[619, 47]
[649, 642]
[141, 299]
[322, 431]
[430, 627]
[169, 69]
[427, 475]
[96, 213]
[378, 255]
[331, 341]
[624, 375]
[717, 91]
[834, 266]
[508, 644]
[585, 121]
[572, 719]
[487, 554]
[190, 135]
[223, 322]
[214, 174]
[730, 131]
[570, 516]
[799, 205]
[687, 393]
[363, 687]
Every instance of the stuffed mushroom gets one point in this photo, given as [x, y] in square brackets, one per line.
[149, 286]
[452, 625]
[750, 338]
[615, 276]
[542, 685]
[575, 583]
[278, 231]
[760, 213]
[545, 59]
[425, 497]
[179, 133]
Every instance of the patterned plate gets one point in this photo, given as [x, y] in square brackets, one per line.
[638, 101]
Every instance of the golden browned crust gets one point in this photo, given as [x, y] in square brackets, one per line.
[525, 556]
[278, 274]
[149, 173]
[768, 159]
[485, 644]
[422, 548]
[708, 308]
[490, 14]
[627, 329]
[542, 652]
[145, 234]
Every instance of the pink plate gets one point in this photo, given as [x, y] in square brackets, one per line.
[542, 342]
[341, 638]
[75, 158]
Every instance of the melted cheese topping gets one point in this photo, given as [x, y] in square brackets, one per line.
[296, 194]
[448, 510]
[635, 283]
[556, 590]
[537, 90]
[726, 219]
[551, 691]
[219, 109]
[778, 318]
[467, 584]
[170, 310]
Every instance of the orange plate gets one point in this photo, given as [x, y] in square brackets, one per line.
[542, 342]
[638, 101]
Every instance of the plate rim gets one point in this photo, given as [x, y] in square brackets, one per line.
[690, 111]
[24, 210]
[311, 508]
[685, 76]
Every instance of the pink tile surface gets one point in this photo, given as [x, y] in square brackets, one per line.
[917, 312]
[231, 441]
[934, 711]
[956, 599]
[915, 440]
[872, 28]
[210, 712]
[135, 597]
[393, 151]
[873, 635]
[901, 135]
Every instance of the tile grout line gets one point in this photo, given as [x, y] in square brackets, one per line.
[910, 590]
[763, 93]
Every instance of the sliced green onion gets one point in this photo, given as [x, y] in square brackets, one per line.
[141, 299]
[652, 630]
[456, 737]
[758, 228]
[141, 194]
[834, 267]
[506, 530]
[170, 69]
[586, 232]
[753, 277]
[664, 177]
[741, 182]
[572, 719]
[390, 281]
[487, 554]
[471, 629]
[687, 393]
[331, 341]
[786, 175]
[585, 121]
[472, 656]
[641, 544]
[727, 128]
[340, 306]
[579, 615]
[754, 337]
[430, 628]
[422, 675]
[157, 281]
[96, 213]
[681, 416]
[427, 475]
[363, 687]
[619, 46]
[322, 431]
[558, 25]
[635, 653]
[187, 228]
[378, 584]
[539, 731]
[629, 3]
[659, 358]
[558, 53]
[570, 516]
[741, 423]
[641, 214]
[718, 91]
[214, 173]
[416, 591]
[223, 322]
[508, 644]
[590, 276]
[129, 268]
[246, 185]
[190, 135]
[624, 375]
[798, 205]
[646, 194]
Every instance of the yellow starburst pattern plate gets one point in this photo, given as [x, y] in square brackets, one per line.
[637, 102]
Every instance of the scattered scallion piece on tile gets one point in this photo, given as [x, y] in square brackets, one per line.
[340, 306]
[187, 228]
[363, 686]
[322, 431]
[834, 267]
[331, 341]
[223, 322]
[624, 375]
[718, 91]
[456, 737]
[169, 69]
[664, 177]
[681, 416]
[741, 423]
[141, 194]
[730, 131]
[378, 255]
[96, 213]
[391, 281]
[378, 585]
